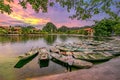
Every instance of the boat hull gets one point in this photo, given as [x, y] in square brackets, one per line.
[25, 60]
[92, 57]
[76, 63]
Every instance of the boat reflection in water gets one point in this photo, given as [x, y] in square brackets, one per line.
[43, 57]
[43, 63]
[23, 61]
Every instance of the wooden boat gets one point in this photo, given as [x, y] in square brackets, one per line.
[26, 58]
[66, 53]
[115, 53]
[64, 49]
[43, 54]
[73, 49]
[102, 49]
[93, 44]
[83, 50]
[54, 49]
[76, 62]
[93, 57]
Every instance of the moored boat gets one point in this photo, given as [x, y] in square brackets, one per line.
[115, 53]
[93, 57]
[28, 54]
[54, 49]
[76, 62]
[26, 58]
[43, 54]
[61, 48]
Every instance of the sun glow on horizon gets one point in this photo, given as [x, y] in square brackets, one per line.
[29, 20]
[25, 15]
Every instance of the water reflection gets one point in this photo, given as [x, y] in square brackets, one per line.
[13, 39]
[25, 60]
[63, 38]
[43, 63]
[50, 39]
[18, 39]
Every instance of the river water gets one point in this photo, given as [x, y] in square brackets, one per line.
[13, 46]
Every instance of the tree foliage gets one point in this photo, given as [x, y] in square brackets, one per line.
[26, 30]
[117, 29]
[3, 31]
[49, 27]
[84, 9]
[83, 32]
[105, 27]
[63, 29]
[5, 8]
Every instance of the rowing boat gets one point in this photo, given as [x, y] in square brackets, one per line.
[76, 62]
[26, 58]
[43, 54]
[92, 57]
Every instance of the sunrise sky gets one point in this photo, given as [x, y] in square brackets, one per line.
[57, 15]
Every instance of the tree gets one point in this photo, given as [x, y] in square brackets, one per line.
[105, 27]
[83, 32]
[12, 29]
[63, 29]
[49, 27]
[84, 9]
[117, 29]
[5, 8]
[26, 30]
[3, 31]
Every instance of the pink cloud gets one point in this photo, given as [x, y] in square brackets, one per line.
[57, 15]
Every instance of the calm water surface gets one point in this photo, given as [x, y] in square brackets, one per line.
[13, 46]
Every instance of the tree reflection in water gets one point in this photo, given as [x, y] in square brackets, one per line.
[50, 39]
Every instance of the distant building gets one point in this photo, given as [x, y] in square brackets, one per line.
[17, 29]
[11, 29]
[5, 27]
[90, 31]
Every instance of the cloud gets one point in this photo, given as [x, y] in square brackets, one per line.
[31, 19]
[57, 15]
[14, 21]
[23, 15]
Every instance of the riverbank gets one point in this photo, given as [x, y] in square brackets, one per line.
[42, 34]
[76, 35]
[106, 71]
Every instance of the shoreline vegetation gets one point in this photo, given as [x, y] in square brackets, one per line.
[103, 28]
[79, 35]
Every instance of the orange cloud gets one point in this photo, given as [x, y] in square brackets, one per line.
[24, 15]
[28, 16]
[30, 20]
